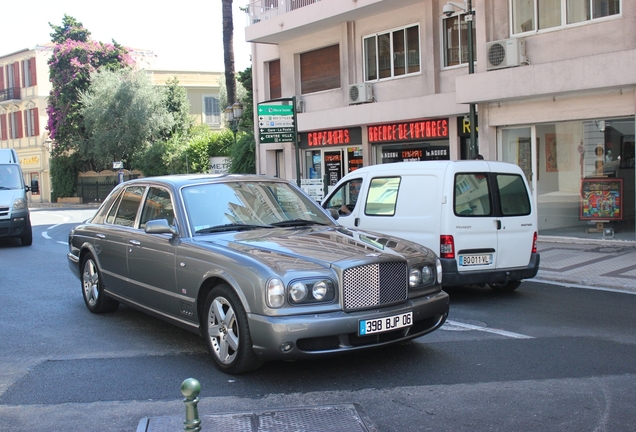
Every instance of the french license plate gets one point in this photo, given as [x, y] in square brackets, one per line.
[379, 325]
[472, 260]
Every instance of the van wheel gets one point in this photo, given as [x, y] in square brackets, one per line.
[506, 287]
[27, 238]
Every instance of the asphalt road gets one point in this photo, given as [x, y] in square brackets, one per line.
[544, 358]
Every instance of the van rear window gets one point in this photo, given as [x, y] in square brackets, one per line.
[513, 196]
[472, 195]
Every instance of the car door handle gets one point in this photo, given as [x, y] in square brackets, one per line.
[356, 222]
[134, 242]
[498, 224]
[101, 236]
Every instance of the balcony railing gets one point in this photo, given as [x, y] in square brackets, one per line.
[259, 10]
[12, 93]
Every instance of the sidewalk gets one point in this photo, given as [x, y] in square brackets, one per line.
[608, 264]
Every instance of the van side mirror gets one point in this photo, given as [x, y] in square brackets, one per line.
[35, 187]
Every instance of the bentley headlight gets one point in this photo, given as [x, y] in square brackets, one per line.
[319, 291]
[423, 275]
[428, 276]
[275, 293]
[415, 277]
[298, 292]
[310, 291]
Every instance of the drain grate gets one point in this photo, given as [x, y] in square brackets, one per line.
[332, 418]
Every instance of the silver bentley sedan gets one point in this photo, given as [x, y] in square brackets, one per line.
[256, 267]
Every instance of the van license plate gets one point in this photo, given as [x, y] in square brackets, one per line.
[379, 325]
[473, 260]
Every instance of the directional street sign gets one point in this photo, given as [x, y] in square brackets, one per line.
[276, 123]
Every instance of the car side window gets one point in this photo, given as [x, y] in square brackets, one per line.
[382, 196]
[129, 205]
[472, 195]
[345, 198]
[158, 205]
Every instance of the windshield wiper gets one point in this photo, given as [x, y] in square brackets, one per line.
[297, 222]
[231, 227]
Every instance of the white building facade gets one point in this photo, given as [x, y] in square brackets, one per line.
[379, 81]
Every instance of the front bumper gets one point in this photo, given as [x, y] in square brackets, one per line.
[453, 277]
[16, 226]
[330, 333]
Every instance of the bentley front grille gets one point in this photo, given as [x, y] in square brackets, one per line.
[374, 285]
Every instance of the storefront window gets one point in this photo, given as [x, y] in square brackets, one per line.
[584, 175]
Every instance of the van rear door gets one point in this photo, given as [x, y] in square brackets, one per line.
[491, 220]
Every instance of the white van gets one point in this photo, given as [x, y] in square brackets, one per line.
[15, 220]
[476, 215]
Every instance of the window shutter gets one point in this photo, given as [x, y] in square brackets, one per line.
[1, 78]
[16, 75]
[275, 91]
[20, 132]
[3, 127]
[34, 79]
[320, 70]
[36, 123]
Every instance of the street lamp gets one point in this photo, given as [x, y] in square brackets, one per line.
[233, 114]
[449, 9]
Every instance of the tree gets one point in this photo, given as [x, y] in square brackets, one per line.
[177, 104]
[243, 155]
[123, 113]
[70, 29]
[74, 57]
[228, 50]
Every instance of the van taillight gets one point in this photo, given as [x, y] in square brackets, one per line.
[446, 246]
[534, 243]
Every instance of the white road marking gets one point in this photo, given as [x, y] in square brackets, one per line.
[461, 326]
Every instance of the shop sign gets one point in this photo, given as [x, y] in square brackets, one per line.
[33, 160]
[415, 154]
[417, 130]
[331, 137]
[463, 126]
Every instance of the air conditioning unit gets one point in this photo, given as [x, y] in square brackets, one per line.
[506, 53]
[360, 93]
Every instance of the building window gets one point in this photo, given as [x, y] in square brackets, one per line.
[275, 91]
[534, 15]
[15, 125]
[320, 70]
[392, 53]
[212, 110]
[28, 72]
[456, 40]
[32, 122]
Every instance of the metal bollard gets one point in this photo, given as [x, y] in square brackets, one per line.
[190, 389]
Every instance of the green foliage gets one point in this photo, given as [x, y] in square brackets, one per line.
[177, 104]
[70, 29]
[74, 58]
[123, 113]
[246, 97]
[64, 170]
[243, 155]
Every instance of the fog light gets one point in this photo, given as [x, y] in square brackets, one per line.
[286, 346]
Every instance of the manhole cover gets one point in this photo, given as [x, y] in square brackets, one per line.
[332, 418]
